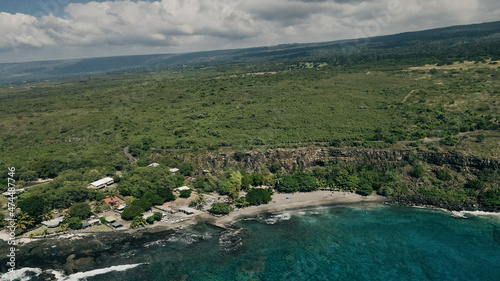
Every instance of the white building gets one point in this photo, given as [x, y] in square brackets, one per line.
[182, 188]
[173, 170]
[102, 183]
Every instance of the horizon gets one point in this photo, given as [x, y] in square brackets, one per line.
[50, 30]
[242, 48]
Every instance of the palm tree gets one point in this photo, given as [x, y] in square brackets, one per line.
[24, 221]
[200, 199]
[112, 193]
[138, 221]
[47, 215]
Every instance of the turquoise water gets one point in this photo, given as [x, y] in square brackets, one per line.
[353, 243]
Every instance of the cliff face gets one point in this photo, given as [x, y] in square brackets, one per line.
[261, 160]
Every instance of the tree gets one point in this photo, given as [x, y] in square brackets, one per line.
[287, 183]
[143, 203]
[275, 168]
[157, 216]
[200, 199]
[132, 211]
[185, 193]
[138, 221]
[187, 168]
[364, 189]
[80, 210]
[166, 194]
[221, 208]
[241, 202]
[307, 182]
[34, 206]
[258, 196]
[24, 221]
[73, 222]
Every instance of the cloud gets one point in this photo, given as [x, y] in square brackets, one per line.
[132, 27]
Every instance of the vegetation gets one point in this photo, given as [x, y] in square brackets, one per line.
[258, 196]
[221, 208]
[439, 98]
[185, 193]
[130, 212]
[80, 210]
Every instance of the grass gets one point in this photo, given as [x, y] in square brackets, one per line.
[87, 122]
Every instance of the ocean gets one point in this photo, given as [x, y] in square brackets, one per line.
[335, 243]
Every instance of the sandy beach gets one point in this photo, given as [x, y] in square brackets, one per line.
[296, 201]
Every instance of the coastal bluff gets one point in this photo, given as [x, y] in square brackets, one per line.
[307, 157]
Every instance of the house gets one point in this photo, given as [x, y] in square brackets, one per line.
[173, 170]
[153, 165]
[116, 224]
[110, 219]
[52, 223]
[182, 188]
[187, 210]
[86, 224]
[120, 208]
[101, 183]
[112, 201]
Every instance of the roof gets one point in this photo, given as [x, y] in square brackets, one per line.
[110, 219]
[116, 224]
[100, 182]
[121, 207]
[173, 170]
[111, 200]
[94, 221]
[147, 215]
[187, 210]
[183, 188]
[153, 165]
[85, 224]
[51, 223]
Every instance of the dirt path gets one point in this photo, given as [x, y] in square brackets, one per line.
[130, 157]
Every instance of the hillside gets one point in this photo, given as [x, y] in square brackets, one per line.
[468, 42]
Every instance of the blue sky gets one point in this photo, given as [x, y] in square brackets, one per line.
[62, 29]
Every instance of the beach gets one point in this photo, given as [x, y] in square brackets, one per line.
[299, 200]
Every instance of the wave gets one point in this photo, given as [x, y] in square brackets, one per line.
[23, 274]
[26, 274]
[276, 218]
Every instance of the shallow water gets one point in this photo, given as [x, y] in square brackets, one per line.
[338, 243]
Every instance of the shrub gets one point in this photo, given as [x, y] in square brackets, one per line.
[73, 222]
[474, 184]
[258, 196]
[443, 175]
[275, 168]
[185, 193]
[221, 208]
[490, 197]
[132, 211]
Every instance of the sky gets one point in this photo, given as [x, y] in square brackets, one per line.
[34, 30]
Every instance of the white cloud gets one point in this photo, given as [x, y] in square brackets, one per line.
[127, 27]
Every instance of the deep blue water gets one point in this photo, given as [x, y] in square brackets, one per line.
[338, 243]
